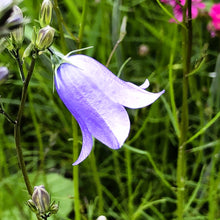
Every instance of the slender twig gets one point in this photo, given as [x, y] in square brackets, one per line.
[6, 115]
[112, 52]
[83, 19]
[20, 65]
[17, 127]
[16, 55]
[59, 18]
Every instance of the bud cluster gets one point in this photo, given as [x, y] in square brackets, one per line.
[40, 203]
[46, 34]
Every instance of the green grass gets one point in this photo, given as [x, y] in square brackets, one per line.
[139, 181]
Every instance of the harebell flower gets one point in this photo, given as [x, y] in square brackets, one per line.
[97, 99]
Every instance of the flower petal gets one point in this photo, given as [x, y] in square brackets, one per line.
[119, 91]
[87, 141]
[105, 120]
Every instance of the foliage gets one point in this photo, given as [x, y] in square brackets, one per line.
[139, 181]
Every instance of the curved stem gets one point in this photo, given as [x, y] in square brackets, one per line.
[17, 128]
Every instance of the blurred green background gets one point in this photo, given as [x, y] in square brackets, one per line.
[139, 180]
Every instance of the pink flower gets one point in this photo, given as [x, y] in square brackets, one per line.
[177, 8]
[215, 15]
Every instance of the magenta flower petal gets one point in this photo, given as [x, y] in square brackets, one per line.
[177, 9]
[96, 98]
[215, 15]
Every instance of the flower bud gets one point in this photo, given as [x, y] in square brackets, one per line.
[3, 74]
[16, 18]
[18, 33]
[44, 38]
[123, 28]
[41, 199]
[46, 13]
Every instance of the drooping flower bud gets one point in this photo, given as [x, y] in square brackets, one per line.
[41, 199]
[18, 33]
[123, 28]
[46, 13]
[44, 38]
[3, 74]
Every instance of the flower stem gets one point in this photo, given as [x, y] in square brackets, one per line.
[60, 27]
[6, 115]
[76, 170]
[181, 161]
[37, 130]
[20, 65]
[129, 181]
[16, 55]
[83, 19]
[17, 127]
[98, 183]
[75, 130]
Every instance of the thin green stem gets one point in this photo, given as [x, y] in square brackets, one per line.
[75, 128]
[6, 115]
[60, 27]
[118, 174]
[76, 170]
[181, 160]
[15, 54]
[17, 127]
[97, 183]
[37, 130]
[129, 181]
[214, 181]
[171, 87]
[112, 52]
[20, 65]
[82, 25]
